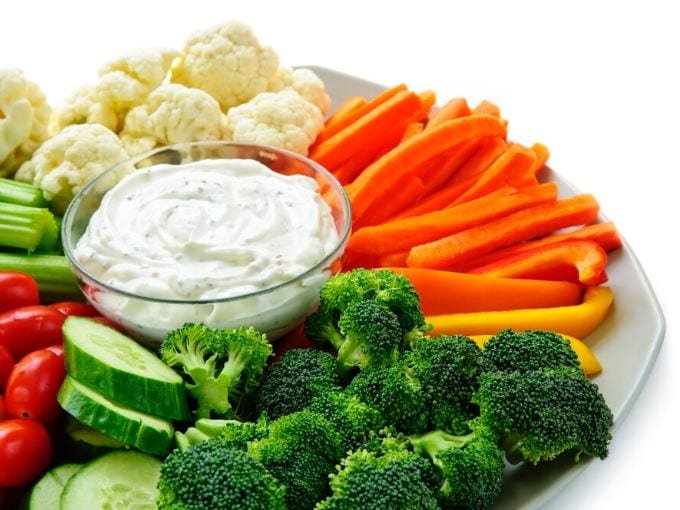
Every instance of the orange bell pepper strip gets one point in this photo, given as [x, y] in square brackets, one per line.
[586, 256]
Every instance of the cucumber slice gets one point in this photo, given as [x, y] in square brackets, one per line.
[119, 368]
[145, 432]
[46, 492]
[84, 443]
[120, 479]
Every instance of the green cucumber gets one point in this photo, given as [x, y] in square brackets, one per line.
[145, 432]
[119, 368]
[85, 443]
[120, 479]
[46, 492]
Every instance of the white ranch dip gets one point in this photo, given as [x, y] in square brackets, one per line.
[208, 229]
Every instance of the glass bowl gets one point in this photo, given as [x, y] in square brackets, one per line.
[274, 310]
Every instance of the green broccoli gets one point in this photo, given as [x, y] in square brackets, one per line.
[220, 367]
[294, 380]
[470, 467]
[353, 420]
[396, 394]
[391, 480]
[235, 433]
[300, 451]
[448, 370]
[542, 413]
[529, 350]
[213, 475]
[384, 286]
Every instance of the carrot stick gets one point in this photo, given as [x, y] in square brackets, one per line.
[449, 165]
[428, 99]
[604, 234]
[489, 150]
[396, 163]
[522, 225]
[486, 108]
[357, 113]
[513, 164]
[403, 192]
[526, 180]
[542, 155]
[396, 110]
[348, 106]
[403, 234]
[438, 200]
[443, 292]
[392, 260]
[412, 129]
[453, 109]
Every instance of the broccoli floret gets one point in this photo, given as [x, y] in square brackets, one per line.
[235, 433]
[213, 475]
[392, 480]
[300, 451]
[470, 467]
[448, 369]
[529, 350]
[220, 366]
[540, 414]
[294, 380]
[353, 419]
[395, 393]
[384, 286]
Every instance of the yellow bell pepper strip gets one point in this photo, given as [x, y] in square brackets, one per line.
[576, 320]
[586, 358]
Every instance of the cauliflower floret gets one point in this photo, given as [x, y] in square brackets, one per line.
[172, 113]
[65, 163]
[306, 83]
[282, 119]
[228, 62]
[124, 83]
[24, 119]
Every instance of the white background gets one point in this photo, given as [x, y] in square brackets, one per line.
[597, 82]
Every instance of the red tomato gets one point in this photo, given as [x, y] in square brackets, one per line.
[25, 446]
[30, 328]
[75, 308]
[57, 349]
[108, 322]
[6, 366]
[3, 411]
[18, 289]
[33, 385]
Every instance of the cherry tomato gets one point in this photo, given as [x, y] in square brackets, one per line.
[30, 328]
[18, 289]
[108, 322]
[75, 308]
[25, 446]
[57, 349]
[33, 385]
[6, 366]
[3, 411]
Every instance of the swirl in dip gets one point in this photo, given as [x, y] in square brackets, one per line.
[210, 229]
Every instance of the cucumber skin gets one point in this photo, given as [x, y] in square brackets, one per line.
[43, 496]
[152, 396]
[97, 416]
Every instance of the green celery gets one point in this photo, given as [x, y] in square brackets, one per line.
[27, 228]
[21, 193]
[51, 272]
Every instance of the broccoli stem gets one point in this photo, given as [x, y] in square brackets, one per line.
[51, 272]
[431, 443]
[21, 193]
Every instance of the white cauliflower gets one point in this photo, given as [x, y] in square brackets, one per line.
[24, 119]
[282, 119]
[228, 62]
[172, 113]
[306, 83]
[65, 163]
[124, 83]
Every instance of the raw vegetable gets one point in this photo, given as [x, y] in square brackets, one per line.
[47, 491]
[6, 366]
[121, 369]
[51, 272]
[3, 409]
[25, 446]
[83, 443]
[577, 320]
[452, 109]
[489, 151]
[522, 225]
[32, 386]
[122, 479]
[29, 328]
[444, 292]
[18, 289]
[20, 193]
[147, 433]
[77, 308]
[339, 116]
[27, 228]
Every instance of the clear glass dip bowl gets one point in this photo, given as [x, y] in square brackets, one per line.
[274, 310]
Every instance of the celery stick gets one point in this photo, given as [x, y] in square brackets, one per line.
[21, 193]
[27, 228]
[51, 272]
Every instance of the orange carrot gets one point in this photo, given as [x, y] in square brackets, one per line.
[396, 163]
[522, 225]
[397, 110]
[453, 109]
[604, 234]
[348, 106]
[438, 200]
[542, 155]
[490, 149]
[391, 260]
[486, 108]
[402, 234]
[513, 164]
[444, 292]
[406, 191]
[357, 113]
[412, 129]
[451, 161]
[428, 99]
